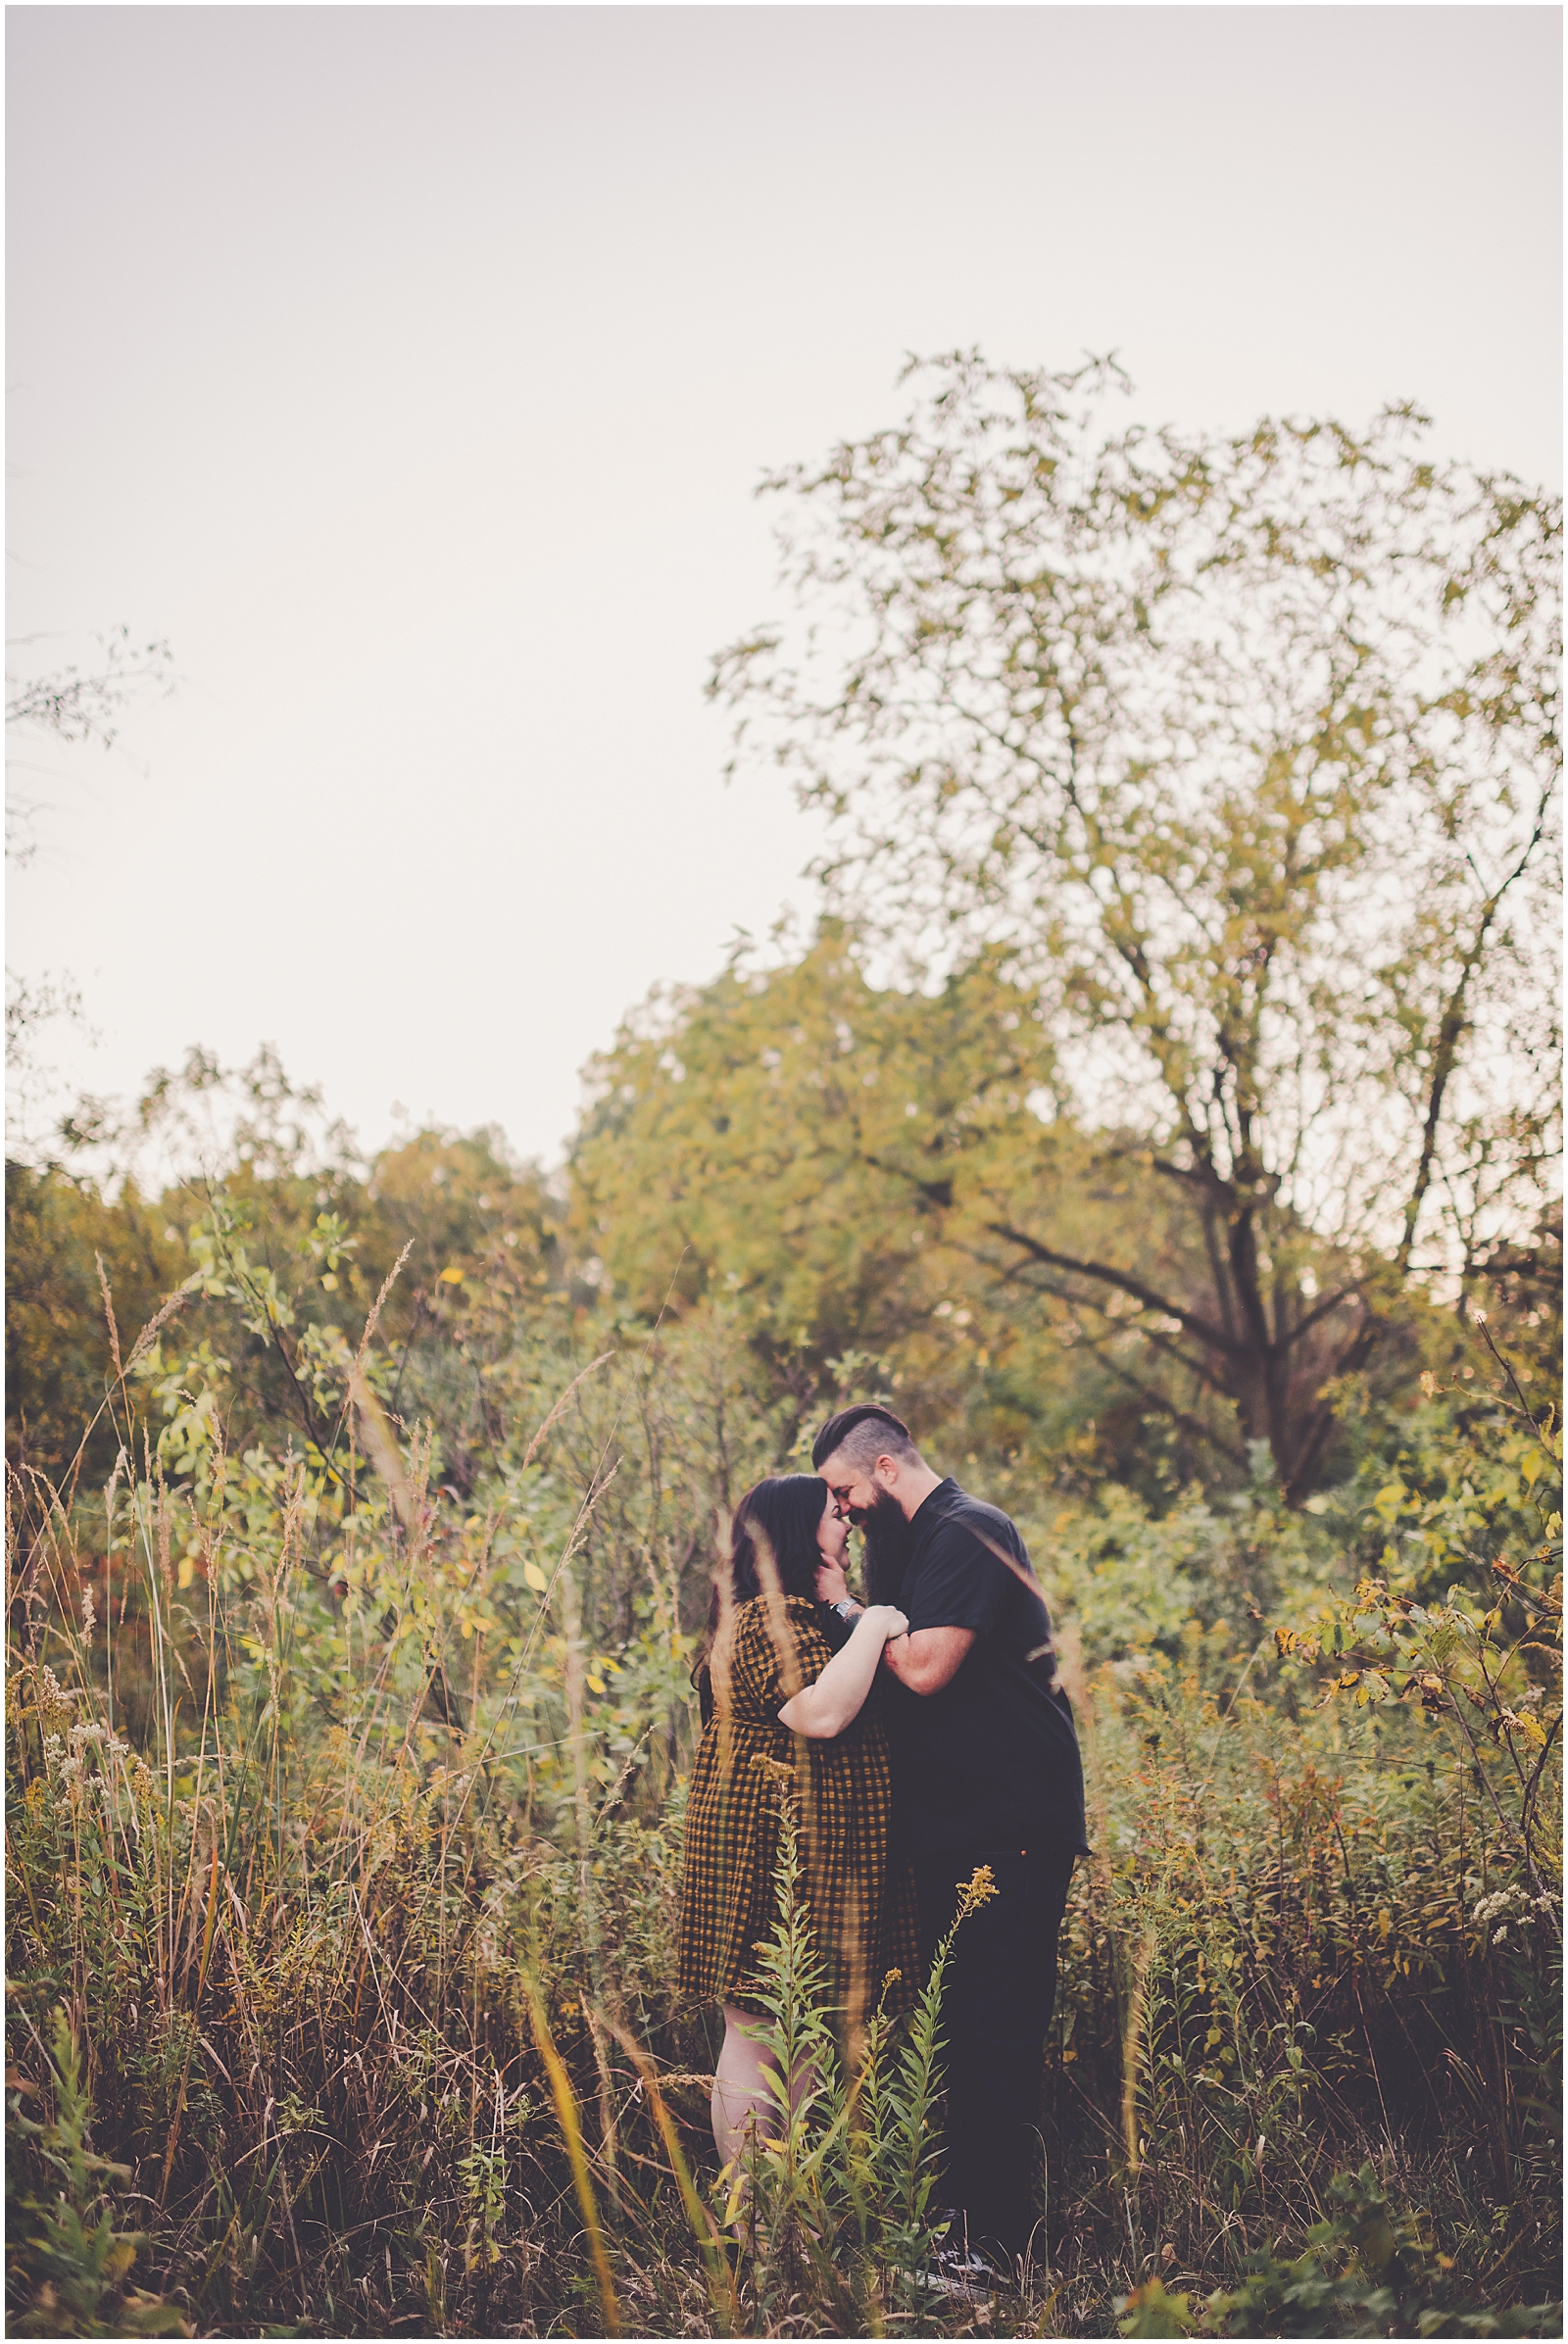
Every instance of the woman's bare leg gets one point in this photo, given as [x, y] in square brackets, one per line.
[742, 2097]
[744, 2104]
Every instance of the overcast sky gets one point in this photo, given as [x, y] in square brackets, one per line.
[410, 370]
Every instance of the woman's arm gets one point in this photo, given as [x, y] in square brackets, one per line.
[822, 1709]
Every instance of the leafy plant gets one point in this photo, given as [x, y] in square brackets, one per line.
[66, 2265]
[1361, 2273]
[1244, 748]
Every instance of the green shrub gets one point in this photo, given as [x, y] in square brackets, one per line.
[1361, 2273]
[67, 2266]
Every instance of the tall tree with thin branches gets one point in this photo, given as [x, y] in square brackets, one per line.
[1248, 750]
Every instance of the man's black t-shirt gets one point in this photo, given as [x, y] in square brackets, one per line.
[990, 1760]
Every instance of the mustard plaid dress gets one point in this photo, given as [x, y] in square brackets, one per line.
[861, 1900]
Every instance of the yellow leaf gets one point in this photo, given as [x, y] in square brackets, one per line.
[1532, 1467]
[596, 1684]
[452, 1276]
[536, 1578]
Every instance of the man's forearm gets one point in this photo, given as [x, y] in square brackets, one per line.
[927, 1659]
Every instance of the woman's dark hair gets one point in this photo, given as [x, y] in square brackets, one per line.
[780, 1515]
[779, 1518]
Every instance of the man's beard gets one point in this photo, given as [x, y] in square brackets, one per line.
[888, 1536]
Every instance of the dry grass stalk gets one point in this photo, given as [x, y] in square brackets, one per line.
[560, 1409]
[571, 2132]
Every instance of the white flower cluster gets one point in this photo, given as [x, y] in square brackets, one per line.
[1513, 1906]
[65, 1761]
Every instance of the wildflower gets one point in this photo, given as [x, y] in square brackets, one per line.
[981, 1886]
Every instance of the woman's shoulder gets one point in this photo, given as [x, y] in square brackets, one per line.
[755, 1610]
[759, 1622]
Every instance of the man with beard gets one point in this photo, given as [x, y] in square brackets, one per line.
[985, 1771]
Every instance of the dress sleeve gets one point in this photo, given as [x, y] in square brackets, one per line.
[759, 1669]
[758, 1687]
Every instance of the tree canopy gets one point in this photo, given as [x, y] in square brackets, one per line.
[1247, 751]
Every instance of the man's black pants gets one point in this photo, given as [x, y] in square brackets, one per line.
[1000, 1990]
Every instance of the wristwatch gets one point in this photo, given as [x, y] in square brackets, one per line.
[847, 1608]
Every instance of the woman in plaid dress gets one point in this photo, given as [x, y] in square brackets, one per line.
[773, 1688]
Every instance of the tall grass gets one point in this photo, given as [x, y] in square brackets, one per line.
[344, 1840]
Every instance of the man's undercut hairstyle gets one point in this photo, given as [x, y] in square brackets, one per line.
[859, 1436]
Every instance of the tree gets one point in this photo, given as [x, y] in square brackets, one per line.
[785, 1140]
[1248, 750]
[800, 1151]
[58, 1360]
[282, 1237]
[74, 708]
[67, 704]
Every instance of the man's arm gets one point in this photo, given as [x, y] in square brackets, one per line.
[928, 1658]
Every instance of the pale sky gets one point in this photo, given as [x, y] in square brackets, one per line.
[410, 370]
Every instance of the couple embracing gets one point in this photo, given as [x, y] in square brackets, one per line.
[927, 1735]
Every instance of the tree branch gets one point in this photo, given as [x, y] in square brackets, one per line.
[1450, 1032]
[1214, 1338]
[1156, 1398]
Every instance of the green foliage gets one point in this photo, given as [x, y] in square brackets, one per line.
[838, 2192]
[831, 1159]
[1134, 1579]
[1247, 751]
[363, 1513]
[358, 1684]
[57, 1339]
[66, 2264]
[1485, 1658]
[303, 1768]
[792, 1138]
[1360, 2274]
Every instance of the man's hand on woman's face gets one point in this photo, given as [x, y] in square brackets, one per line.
[831, 1584]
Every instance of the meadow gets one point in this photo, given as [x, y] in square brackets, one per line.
[346, 1763]
[1163, 1116]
